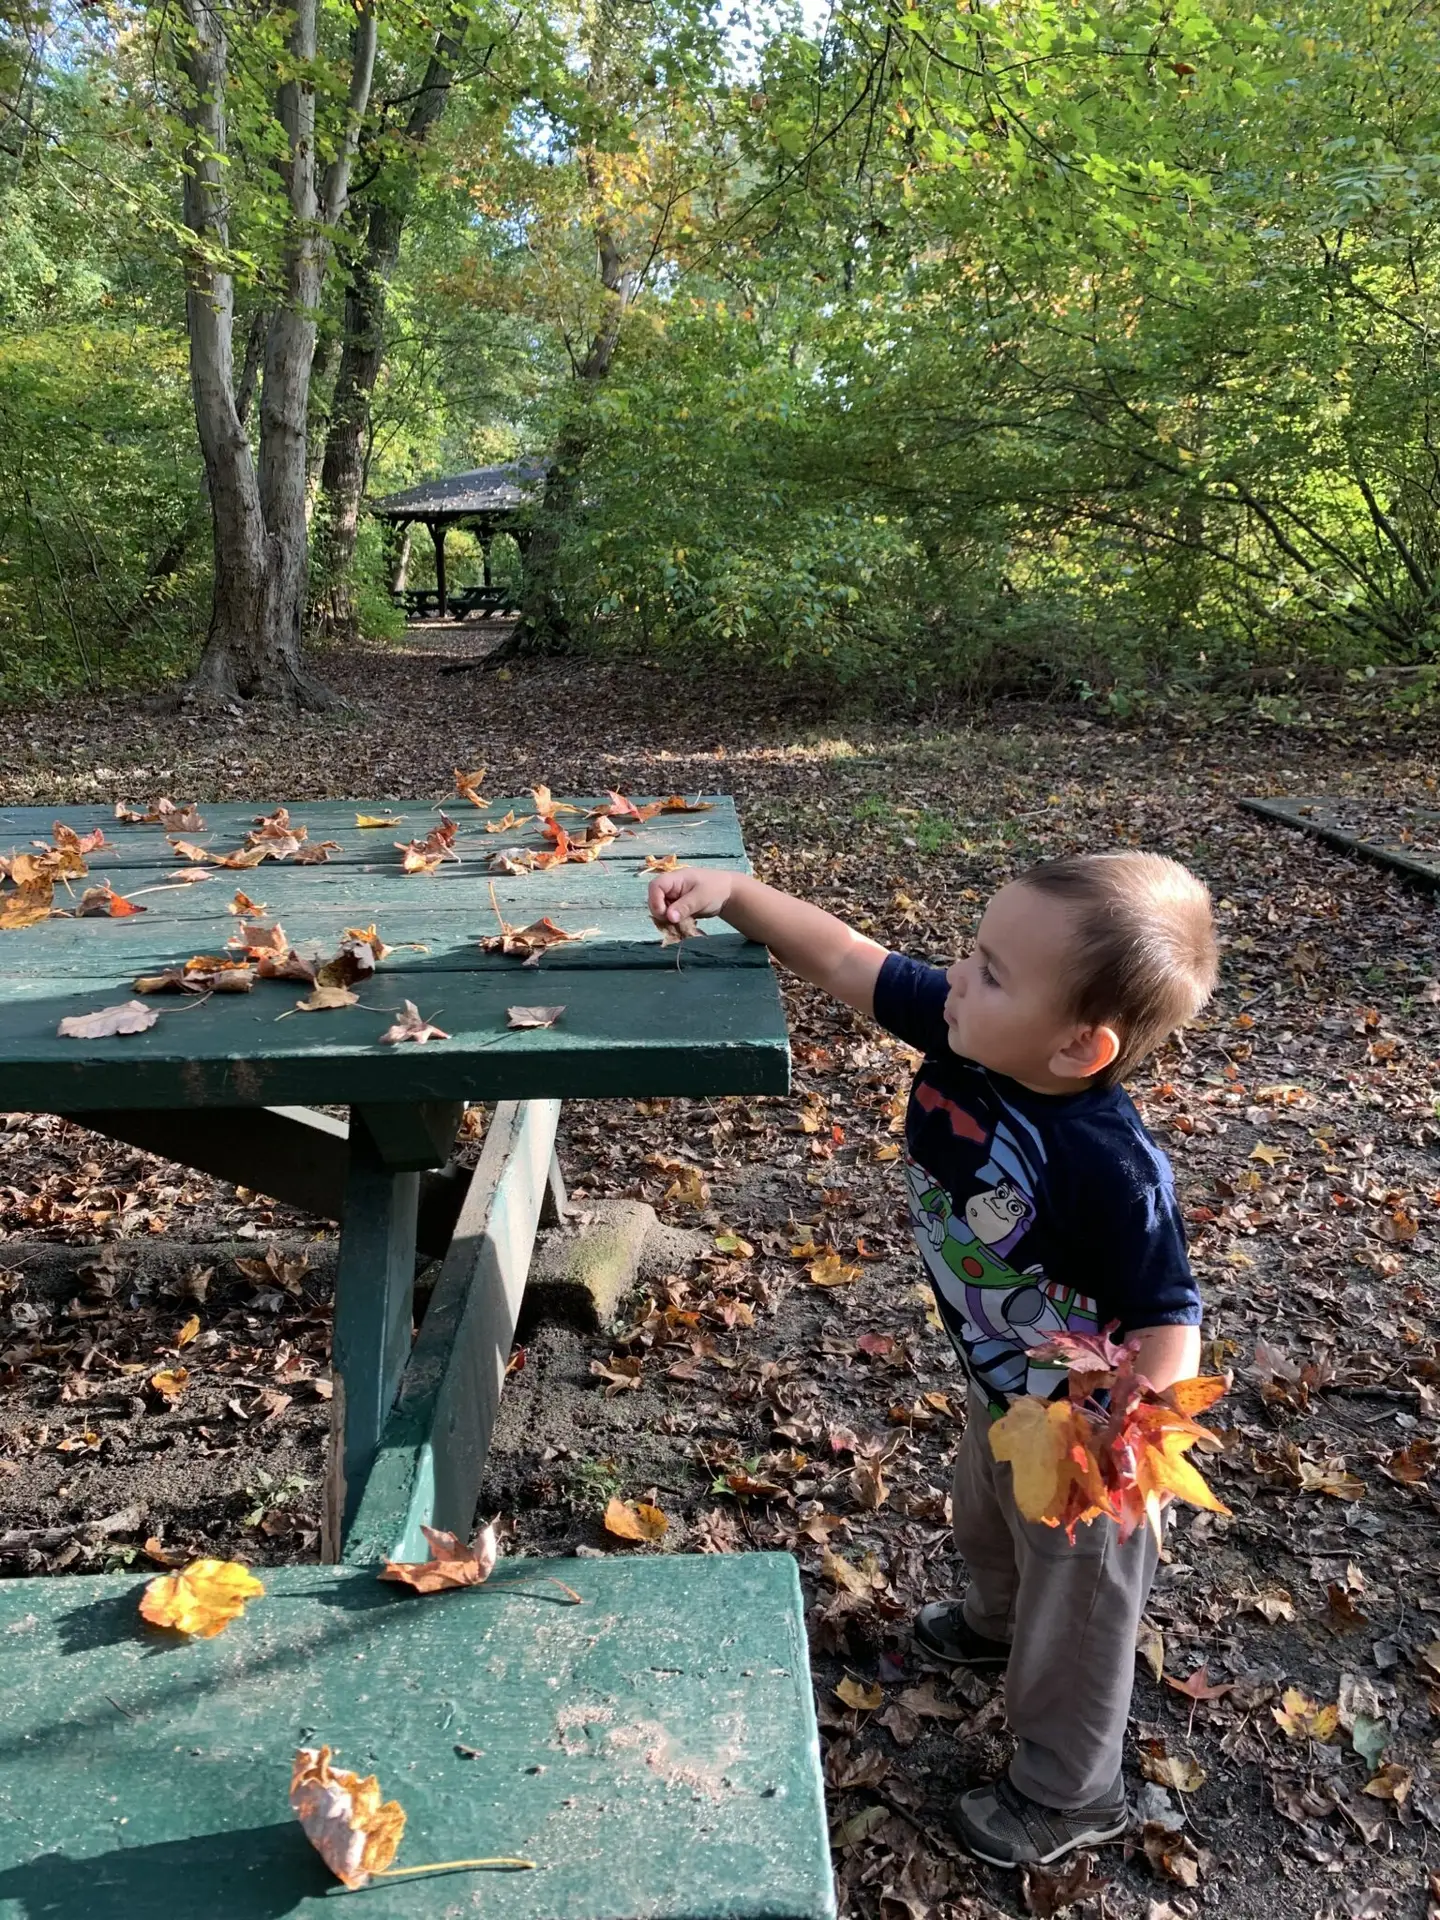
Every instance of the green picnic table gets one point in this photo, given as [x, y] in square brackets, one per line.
[652, 1749]
[229, 1083]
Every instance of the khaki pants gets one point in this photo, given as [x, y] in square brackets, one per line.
[1070, 1615]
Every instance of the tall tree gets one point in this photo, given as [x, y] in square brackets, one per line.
[396, 162]
[257, 503]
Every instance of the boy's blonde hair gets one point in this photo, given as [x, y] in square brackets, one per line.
[1146, 957]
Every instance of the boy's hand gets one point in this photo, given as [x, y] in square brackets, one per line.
[690, 893]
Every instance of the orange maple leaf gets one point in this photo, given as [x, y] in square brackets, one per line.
[202, 1598]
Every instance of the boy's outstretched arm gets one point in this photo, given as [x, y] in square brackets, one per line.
[811, 942]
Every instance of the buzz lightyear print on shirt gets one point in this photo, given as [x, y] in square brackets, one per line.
[998, 1305]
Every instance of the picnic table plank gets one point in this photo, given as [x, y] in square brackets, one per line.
[653, 1750]
[712, 833]
[616, 938]
[694, 1031]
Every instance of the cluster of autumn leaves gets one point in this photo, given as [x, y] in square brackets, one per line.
[259, 950]
[355, 1832]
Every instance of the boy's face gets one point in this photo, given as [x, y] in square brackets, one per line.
[1006, 1007]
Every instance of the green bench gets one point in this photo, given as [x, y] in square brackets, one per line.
[653, 1750]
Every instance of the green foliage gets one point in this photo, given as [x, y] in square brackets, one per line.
[104, 538]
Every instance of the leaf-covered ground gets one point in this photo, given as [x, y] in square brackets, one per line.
[767, 1411]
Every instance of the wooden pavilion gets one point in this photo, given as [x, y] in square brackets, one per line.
[486, 501]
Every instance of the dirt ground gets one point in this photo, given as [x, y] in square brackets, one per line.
[766, 1411]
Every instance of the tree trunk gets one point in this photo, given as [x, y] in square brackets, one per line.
[253, 646]
[342, 475]
[543, 626]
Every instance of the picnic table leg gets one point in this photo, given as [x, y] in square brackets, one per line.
[374, 1289]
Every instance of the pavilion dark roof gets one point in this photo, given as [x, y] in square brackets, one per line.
[484, 490]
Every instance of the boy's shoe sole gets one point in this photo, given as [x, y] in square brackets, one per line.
[945, 1634]
[1005, 1828]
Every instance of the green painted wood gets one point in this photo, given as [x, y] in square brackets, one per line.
[432, 1454]
[411, 1139]
[667, 1030]
[289, 1153]
[1313, 817]
[692, 835]
[120, 950]
[370, 1343]
[653, 1749]
[342, 893]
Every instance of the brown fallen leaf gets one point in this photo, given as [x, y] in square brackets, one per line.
[277, 1268]
[184, 818]
[635, 1520]
[450, 1564]
[189, 1331]
[1301, 1718]
[1166, 1769]
[661, 863]
[354, 1832]
[1199, 1686]
[202, 1599]
[527, 943]
[1047, 1894]
[467, 785]
[856, 1694]
[189, 876]
[1172, 1855]
[533, 1016]
[327, 1000]
[367, 820]
[171, 1383]
[546, 807]
[317, 853]
[410, 1026]
[620, 1371]
[205, 856]
[244, 908]
[131, 1017]
[26, 906]
[511, 823]
[103, 901]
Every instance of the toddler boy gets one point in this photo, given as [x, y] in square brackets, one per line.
[1041, 1206]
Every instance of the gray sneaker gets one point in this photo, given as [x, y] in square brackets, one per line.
[1000, 1824]
[945, 1634]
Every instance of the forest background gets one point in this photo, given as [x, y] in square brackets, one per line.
[1079, 346]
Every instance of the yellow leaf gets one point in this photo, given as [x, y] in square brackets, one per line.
[857, 1695]
[1175, 1770]
[1150, 1645]
[378, 819]
[1035, 1437]
[188, 1332]
[345, 1820]
[202, 1598]
[843, 1573]
[1268, 1154]
[171, 1383]
[831, 1271]
[1301, 1718]
[635, 1520]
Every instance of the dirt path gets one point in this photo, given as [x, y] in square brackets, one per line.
[1302, 1121]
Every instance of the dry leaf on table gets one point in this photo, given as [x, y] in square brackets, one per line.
[354, 1832]
[327, 1000]
[202, 1599]
[450, 1564]
[467, 785]
[131, 1017]
[410, 1026]
[104, 902]
[533, 1016]
[367, 820]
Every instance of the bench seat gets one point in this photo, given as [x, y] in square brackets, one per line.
[653, 1750]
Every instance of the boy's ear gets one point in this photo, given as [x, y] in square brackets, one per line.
[1088, 1051]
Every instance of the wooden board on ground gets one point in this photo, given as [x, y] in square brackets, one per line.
[1405, 839]
[653, 1750]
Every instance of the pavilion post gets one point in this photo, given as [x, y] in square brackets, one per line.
[401, 555]
[437, 534]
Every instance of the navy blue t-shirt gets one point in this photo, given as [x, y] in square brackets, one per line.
[1035, 1213]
